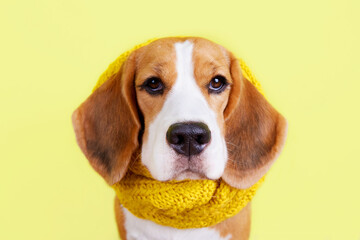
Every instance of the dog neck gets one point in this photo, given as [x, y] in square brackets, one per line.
[180, 204]
[132, 227]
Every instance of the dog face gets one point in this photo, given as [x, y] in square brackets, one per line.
[185, 105]
[182, 93]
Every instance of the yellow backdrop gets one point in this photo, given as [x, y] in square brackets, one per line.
[305, 54]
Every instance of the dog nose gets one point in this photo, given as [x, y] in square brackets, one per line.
[188, 138]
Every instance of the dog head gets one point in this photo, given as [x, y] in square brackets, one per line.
[184, 105]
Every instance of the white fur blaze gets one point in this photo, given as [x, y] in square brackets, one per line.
[152, 231]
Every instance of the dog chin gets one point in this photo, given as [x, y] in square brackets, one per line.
[189, 174]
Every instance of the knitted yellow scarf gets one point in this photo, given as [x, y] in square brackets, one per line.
[178, 204]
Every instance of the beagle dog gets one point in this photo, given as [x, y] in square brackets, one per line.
[184, 106]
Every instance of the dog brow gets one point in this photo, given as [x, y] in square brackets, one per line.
[158, 68]
[214, 66]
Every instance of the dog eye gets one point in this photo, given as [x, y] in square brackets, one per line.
[217, 84]
[153, 85]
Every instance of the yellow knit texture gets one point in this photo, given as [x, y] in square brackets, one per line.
[179, 204]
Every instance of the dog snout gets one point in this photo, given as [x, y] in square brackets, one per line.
[188, 138]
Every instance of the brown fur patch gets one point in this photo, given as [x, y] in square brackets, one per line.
[154, 60]
[238, 226]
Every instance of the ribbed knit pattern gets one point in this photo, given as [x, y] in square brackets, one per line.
[178, 204]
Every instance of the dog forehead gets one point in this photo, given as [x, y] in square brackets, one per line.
[208, 51]
[162, 52]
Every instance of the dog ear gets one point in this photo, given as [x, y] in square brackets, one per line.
[255, 132]
[107, 124]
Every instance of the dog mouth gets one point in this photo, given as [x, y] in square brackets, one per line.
[189, 174]
[192, 168]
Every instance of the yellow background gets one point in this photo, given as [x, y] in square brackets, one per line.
[305, 53]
